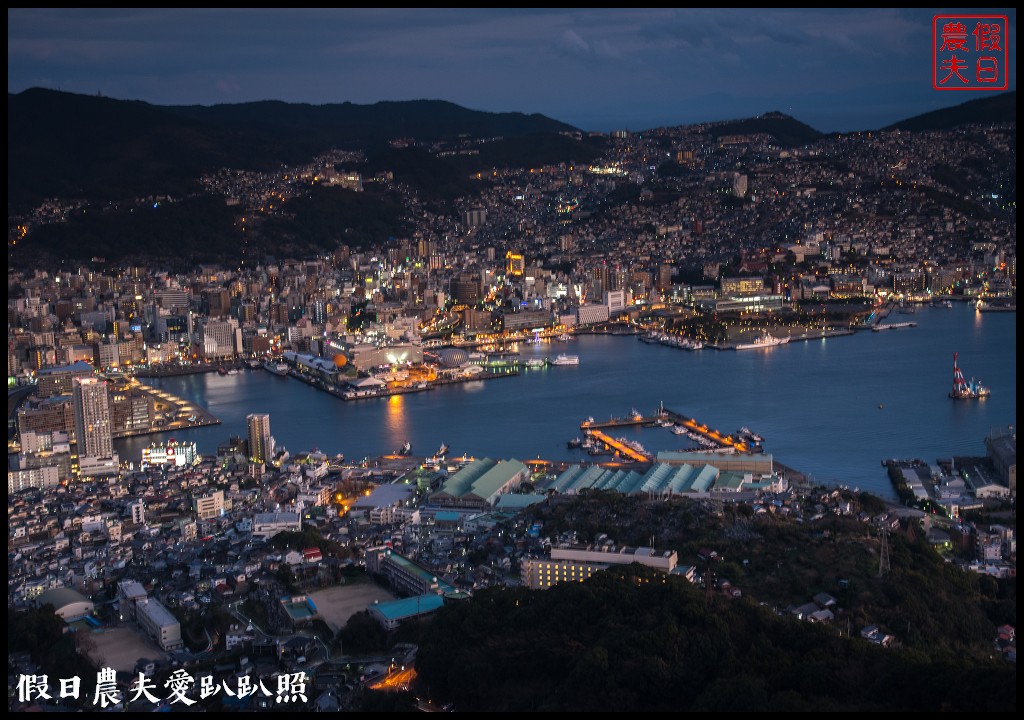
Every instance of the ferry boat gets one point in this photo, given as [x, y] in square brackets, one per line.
[963, 390]
[566, 360]
[764, 341]
[536, 363]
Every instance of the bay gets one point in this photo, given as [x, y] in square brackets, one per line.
[831, 408]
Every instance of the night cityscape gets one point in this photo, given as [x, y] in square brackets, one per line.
[577, 388]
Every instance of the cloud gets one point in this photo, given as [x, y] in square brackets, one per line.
[573, 44]
[228, 87]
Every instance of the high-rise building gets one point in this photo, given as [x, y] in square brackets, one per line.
[515, 263]
[259, 437]
[474, 217]
[93, 431]
[92, 417]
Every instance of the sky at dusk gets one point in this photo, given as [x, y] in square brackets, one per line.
[597, 69]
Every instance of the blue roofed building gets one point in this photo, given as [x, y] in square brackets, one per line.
[391, 614]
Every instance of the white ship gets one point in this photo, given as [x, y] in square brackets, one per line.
[566, 360]
[892, 326]
[764, 341]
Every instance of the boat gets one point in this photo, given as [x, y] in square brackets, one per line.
[564, 359]
[406, 449]
[278, 368]
[892, 326]
[233, 371]
[764, 341]
[443, 450]
[575, 443]
[678, 429]
[963, 390]
[565, 337]
[222, 371]
[254, 364]
[536, 363]
[748, 434]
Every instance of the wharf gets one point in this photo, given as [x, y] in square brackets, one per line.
[793, 337]
[623, 450]
[184, 414]
[403, 390]
[720, 440]
[158, 371]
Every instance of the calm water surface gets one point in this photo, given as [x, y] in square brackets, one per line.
[816, 403]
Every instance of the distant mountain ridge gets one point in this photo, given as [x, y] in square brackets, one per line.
[986, 110]
[364, 125]
[67, 145]
[787, 131]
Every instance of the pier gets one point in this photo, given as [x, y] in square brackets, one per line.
[720, 440]
[623, 450]
[373, 393]
[592, 428]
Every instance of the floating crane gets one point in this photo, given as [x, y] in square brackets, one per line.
[963, 390]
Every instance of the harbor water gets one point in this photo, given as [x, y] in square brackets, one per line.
[831, 408]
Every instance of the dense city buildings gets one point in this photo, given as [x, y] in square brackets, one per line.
[694, 237]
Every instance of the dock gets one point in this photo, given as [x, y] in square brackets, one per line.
[593, 428]
[721, 441]
[616, 446]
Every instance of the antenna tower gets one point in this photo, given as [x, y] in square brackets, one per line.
[883, 561]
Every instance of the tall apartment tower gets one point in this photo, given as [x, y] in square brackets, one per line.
[92, 418]
[259, 437]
